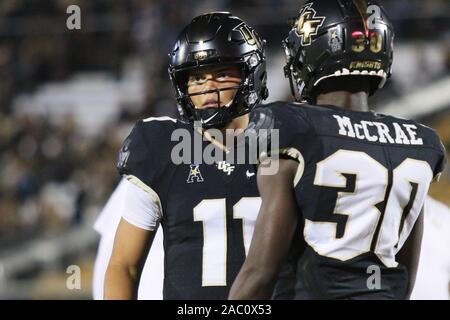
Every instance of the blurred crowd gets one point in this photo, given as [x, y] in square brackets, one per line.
[51, 175]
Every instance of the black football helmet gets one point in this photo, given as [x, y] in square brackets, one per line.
[214, 39]
[332, 38]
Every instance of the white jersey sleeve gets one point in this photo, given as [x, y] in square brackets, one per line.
[141, 208]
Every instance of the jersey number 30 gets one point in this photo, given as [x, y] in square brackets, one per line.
[377, 213]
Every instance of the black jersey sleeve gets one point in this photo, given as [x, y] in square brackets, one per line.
[145, 153]
[288, 129]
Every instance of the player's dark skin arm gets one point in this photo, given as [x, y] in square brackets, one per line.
[272, 237]
[131, 246]
[410, 253]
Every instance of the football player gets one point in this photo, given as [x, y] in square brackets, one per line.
[207, 211]
[355, 181]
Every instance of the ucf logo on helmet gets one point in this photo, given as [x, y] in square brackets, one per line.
[308, 24]
[249, 35]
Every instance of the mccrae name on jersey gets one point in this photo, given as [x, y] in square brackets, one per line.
[373, 131]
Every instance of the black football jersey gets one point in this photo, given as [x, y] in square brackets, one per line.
[208, 210]
[360, 186]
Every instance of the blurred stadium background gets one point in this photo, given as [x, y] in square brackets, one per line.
[68, 99]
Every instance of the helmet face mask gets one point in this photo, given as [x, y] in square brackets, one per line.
[219, 39]
[331, 38]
